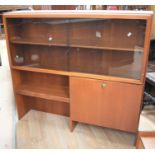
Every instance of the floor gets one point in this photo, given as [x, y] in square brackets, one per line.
[7, 103]
[44, 130]
[34, 128]
[147, 119]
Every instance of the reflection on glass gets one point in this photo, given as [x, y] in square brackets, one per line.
[97, 46]
[101, 62]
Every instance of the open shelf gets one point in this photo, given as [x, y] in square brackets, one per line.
[55, 93]
[45, 86]
[74, 43]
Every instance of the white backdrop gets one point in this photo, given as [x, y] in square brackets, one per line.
[7, 103]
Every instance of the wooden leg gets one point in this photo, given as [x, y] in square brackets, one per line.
[136, 138]
[22, 108]
[139, 143]
[72, 125]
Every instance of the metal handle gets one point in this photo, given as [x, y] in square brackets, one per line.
[103, 85]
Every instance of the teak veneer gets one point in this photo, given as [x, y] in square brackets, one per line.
[87, 65]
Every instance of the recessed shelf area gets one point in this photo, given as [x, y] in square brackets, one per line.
[54, 93]
[41, 104]
[45, 86]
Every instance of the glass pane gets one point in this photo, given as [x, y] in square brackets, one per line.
[108, 33]
[41, 31]
[107, 46]
[97, 46]
[107, 62]
[47, 57]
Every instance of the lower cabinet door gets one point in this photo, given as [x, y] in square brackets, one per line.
[105, 103]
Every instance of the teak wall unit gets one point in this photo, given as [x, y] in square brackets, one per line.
[89, 66]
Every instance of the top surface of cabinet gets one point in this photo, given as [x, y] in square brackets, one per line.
[79, 13]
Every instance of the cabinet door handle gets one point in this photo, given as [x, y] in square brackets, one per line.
[103, 85]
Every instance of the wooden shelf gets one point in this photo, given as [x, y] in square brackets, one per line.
[74, 44]
[56, 93]
[77, 74]
[38, 42]
[39, 70]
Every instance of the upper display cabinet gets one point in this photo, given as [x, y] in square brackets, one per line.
[98, 44]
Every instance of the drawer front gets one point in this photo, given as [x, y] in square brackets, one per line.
[105, 103]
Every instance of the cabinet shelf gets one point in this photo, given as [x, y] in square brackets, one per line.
[38, 42]
[56, 93]
[76, 74]
[39, 70]
[75, 44]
